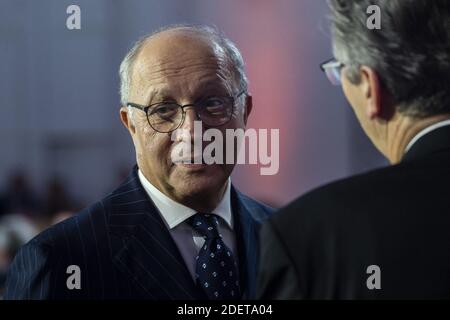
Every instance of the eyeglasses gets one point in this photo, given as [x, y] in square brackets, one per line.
[332, 69]
[166, 117]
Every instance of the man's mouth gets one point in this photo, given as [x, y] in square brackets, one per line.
[192, 166]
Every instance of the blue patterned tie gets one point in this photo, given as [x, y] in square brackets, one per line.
[216, 269]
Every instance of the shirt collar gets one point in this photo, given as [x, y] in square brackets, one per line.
[174, 213]
[426, 131]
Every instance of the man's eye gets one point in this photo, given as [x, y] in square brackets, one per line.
[215, 107]
[165, 110]
[215, 110]
[213, 102]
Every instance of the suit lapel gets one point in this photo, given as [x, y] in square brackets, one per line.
[248, 224]
[146, 251]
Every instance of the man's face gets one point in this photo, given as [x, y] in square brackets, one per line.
[180, 67]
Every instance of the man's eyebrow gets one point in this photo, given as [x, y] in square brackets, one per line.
[158, 95]
[211, 89]
[203, 90]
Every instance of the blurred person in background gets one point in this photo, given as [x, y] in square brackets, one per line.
[383, 234]
[56, 199]
[170, 230]
[15, 231]
[19, 196]
[24, 214]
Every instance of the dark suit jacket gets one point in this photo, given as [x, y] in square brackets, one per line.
[397, 218]
[124, 251]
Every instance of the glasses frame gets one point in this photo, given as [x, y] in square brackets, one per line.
[331, 68]
[194, 105]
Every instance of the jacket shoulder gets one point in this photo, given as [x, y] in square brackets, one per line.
[346, 195]
[350, 204]
[82, 228]
[40, 268]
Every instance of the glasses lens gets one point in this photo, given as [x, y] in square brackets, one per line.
[215, 111]
[165, 117]
[334, 75]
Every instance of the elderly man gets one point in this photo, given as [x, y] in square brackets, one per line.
[382, 234]
[172, 230]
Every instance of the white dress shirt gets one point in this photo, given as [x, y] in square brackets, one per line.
[174, 215]
[425, 131]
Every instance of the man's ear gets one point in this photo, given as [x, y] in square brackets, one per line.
[373, 92]
[248, 107]
[127, 120]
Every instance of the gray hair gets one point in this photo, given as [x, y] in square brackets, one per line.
[231, 52]
[410, 53]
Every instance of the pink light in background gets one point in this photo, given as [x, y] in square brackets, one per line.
[265, 38]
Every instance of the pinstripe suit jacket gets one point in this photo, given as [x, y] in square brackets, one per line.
[124, 251]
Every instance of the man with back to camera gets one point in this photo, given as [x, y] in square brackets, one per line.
[383, 234]
[172, 230]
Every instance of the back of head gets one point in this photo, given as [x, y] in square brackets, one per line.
[410, 52]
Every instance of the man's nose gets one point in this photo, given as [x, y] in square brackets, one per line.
[189, 118]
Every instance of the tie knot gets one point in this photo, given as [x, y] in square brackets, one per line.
[206, 224]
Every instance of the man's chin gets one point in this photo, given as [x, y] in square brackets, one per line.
[194, 179]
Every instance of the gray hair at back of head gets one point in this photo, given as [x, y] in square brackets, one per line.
[410, 53]
[230, 50]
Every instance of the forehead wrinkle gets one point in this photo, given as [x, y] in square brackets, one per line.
[175, 57]
[167, 88]
[168, 80]
[173, 67]
[192, 90]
